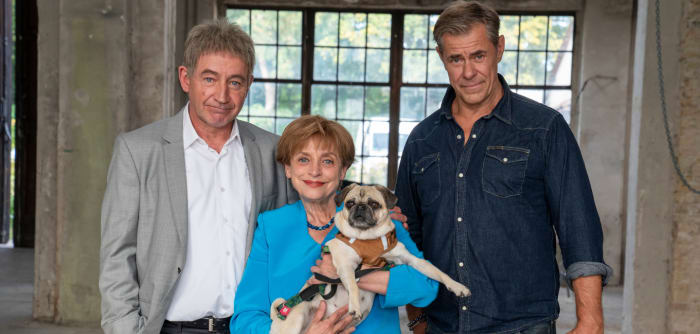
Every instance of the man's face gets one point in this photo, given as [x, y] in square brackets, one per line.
[471, 61]
[217, 89]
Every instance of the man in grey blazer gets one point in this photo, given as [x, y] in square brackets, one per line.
[183, 195]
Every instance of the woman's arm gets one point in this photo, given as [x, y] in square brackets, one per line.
[252, 300]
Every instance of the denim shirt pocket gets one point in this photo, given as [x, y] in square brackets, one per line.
[503, 172]
[426, 173]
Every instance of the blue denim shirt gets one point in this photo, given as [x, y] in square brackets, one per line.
[486, 212]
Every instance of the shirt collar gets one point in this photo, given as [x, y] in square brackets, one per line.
[502, 110]
[190, 136]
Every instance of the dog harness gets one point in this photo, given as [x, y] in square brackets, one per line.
[332, 283]
[371, 250]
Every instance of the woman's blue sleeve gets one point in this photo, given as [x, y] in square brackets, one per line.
[408, 285]
[252, 301]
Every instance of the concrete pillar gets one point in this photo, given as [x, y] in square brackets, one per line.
[100, 73]
[602, 115]
[651, 179]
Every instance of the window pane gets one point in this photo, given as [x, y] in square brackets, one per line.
[267, 123]
[325, 63]
[350, 100]
[507, 67]
[352, 29]
[415, 31]
[433, 19]
[323, 100]
[531, 68]
[533, 94]
[352, 65]
[414, 62]
[561, 33]
[377, 103]
[290, 27]
[405, 129]
[533, 32]
[436, 70]
[265, 62]
[264, 26]
[378, 65]
[379, 31]
[435, 96]
[560, 99]
[559, 68]
[355, 130]
[376, 139]
[282, 123]
[374, 170]
[240, 17]
[289, 100]
[326, 29]
[353, 173]
[509, 30]
[412, 103]
[262, 99]
[289, 66]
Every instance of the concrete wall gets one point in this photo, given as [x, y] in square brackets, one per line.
[685, 291]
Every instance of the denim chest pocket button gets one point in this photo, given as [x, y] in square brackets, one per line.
[503, 171]
[426, 175]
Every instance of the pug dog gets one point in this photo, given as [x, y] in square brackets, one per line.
[366, 236]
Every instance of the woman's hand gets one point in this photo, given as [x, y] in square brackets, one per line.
[325, 267]
[335, 323]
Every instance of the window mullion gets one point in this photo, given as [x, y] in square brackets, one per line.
[307, 59]
[395, 78]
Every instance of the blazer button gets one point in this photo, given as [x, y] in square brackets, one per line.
[179, 270]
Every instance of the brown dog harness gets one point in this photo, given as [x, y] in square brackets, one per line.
[371, 251]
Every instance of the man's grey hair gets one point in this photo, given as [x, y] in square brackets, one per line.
[218, 36]
[460, 17]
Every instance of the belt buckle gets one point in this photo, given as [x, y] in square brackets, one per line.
[211, 324]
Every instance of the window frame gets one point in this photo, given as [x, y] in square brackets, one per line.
[396, 62]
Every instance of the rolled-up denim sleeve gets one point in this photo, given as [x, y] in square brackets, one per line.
[572, 207]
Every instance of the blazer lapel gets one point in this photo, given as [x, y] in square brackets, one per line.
[253, 160]
[175, 173]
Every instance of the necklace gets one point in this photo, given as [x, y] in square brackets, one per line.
[320, 228]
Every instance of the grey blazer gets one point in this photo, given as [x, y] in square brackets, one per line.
[144, 218]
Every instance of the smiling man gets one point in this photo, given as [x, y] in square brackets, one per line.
[488, 183]
[182, 197]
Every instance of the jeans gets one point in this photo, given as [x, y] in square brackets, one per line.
[545, 327]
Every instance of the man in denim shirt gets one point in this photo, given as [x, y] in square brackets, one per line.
[486, 181]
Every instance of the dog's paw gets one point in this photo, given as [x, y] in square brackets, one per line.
[458, 289]
[354, 311]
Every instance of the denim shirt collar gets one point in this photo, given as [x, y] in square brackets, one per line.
[502, 111]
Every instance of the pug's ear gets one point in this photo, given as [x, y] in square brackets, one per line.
[340, 198]
[389, 198]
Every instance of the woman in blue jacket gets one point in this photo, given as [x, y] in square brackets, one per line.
[316, 154]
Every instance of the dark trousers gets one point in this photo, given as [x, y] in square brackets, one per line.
[172, 328]
[545, 327]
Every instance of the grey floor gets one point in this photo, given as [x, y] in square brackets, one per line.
[16, 290]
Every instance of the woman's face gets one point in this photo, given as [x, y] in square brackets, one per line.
[316, 171]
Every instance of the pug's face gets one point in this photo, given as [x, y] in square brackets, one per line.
[367, 206]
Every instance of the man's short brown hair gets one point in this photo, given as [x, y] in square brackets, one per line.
[460, 17]
[298, 133]
[218, 36]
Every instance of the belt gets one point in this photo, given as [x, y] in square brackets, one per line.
[209, 323]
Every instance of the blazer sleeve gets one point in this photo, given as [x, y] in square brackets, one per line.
[118, 281]
[406, 284]
[252, 301]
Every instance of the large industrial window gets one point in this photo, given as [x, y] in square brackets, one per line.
[378, 74]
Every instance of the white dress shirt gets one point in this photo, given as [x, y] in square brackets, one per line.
[218, 203]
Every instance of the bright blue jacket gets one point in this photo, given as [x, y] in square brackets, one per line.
[279, 265]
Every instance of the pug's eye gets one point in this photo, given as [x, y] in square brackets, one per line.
[349, 204]
[374, 205]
